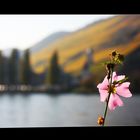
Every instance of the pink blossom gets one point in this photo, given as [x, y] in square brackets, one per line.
[118, 89]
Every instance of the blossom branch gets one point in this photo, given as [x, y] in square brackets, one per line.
[113, 86]
[111, 73]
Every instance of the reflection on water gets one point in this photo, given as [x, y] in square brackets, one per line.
[42, 110]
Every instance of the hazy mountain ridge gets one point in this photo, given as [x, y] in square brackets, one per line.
[47, 40]
[121, 33]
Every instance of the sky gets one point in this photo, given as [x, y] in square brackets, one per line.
[23, 31]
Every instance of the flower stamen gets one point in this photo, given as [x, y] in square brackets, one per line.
[112, 89]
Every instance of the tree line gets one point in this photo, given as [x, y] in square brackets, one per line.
[15, 70]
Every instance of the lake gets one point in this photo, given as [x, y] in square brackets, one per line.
[45, 110]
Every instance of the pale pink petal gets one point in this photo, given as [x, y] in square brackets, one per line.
[105, 81]
[110, 104]
[117, 78]
[114, 101]
[118, 100]
[114, 77]
[120, 77]
[114, 74]
[103, 95]
[125, 84]
[123, 90]
[104, 84]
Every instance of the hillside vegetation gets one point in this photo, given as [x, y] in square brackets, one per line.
[121, 33]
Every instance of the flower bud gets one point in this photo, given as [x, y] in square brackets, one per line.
[100, 120]
[114, 53]
[121, 58]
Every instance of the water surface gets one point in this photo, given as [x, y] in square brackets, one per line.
[45, 110]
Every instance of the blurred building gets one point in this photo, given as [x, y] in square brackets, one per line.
[89, 62]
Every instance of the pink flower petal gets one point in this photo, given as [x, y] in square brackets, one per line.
[117, 78]
[126, 84]
[104, 84]
[103, 95]
[114, 76]
[105, 81]
[110, 104]
[120, 77]
[123, 90]
[118, 100]
[114, 101]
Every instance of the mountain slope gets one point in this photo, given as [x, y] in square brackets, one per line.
[119, 33]
[46, 41]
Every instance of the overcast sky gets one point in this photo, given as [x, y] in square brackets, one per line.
[23, 31]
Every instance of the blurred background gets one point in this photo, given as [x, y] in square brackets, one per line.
[50, 66]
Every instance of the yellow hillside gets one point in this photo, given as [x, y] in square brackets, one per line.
[94, 36]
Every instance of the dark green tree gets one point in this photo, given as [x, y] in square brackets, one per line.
[1, 68]
[14, 67]
[53, 74]
[26, 68]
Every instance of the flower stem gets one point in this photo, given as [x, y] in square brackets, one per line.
[111, 73]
